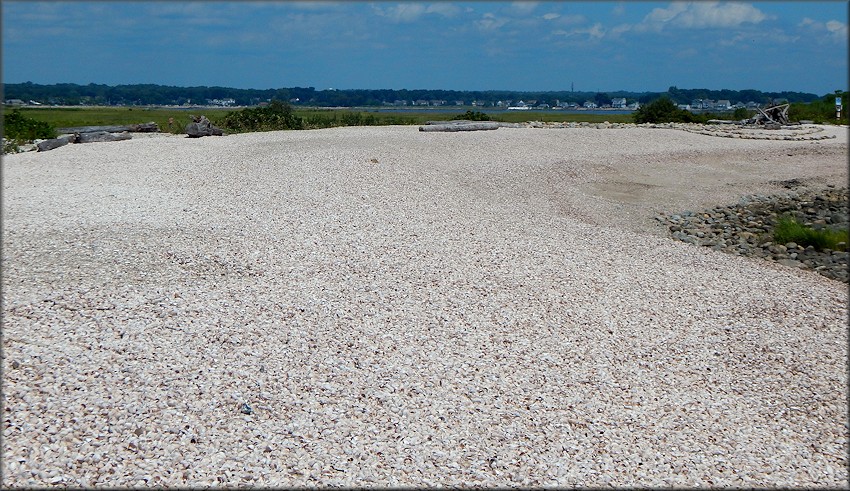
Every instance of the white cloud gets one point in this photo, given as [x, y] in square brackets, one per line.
[571, 19]
[700, 15]
[832, 30]
[409, 12]
[524, 8]
[444, 9]
[490, 22]
[591, 33]
[403, 12]
[836, 27]
[619, 10]
[308, 5]
[551, 15]
[619, 29]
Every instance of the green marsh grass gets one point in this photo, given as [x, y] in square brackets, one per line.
[790, 230]
[313, 118]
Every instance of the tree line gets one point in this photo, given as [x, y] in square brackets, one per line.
[152, 94]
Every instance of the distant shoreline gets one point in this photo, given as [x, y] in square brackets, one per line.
[375, 109]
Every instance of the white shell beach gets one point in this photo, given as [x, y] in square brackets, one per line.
[377, 306]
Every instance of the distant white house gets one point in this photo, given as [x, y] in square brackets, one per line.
[722, 105]
[519, 106]
[618, 102]
[221, 102]
[590, 105]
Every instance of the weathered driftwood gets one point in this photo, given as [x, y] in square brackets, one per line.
[771, 116]
[101, 136]
[460, 126]
[145, 128]
[52, 143]
[455, 121]
[135, 128]
[201, 126]
[724, 121]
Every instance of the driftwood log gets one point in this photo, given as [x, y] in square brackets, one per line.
[459, 126]
[134, 128]
[52, 143]
[771, 117]
[201, 126]
[101, 136]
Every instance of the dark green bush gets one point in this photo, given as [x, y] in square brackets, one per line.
[473, 116]
[276, 116]
[321, 121]
[18, 127]
[665, 111]
[741, 113]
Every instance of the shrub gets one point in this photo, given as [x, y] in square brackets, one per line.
[790, 230]
[657, 111]
[820, 111]
[321, 121]
[16, 126]
[741, 113]
[276, 116]
[665, 111]
[19, 129]
[473, 116]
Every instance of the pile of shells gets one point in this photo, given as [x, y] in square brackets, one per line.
[788, 133]
[747, 228]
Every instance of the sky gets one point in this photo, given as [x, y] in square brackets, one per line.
[523, 46]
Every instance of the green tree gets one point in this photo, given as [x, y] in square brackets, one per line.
[740, 113]
[601, 99]
[658, 111]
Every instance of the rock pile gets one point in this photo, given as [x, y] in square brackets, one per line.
[747, 228]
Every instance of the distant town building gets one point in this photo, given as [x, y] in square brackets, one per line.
[221, 102]
[618, 102]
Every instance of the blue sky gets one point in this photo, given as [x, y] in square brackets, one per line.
[597, 46]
